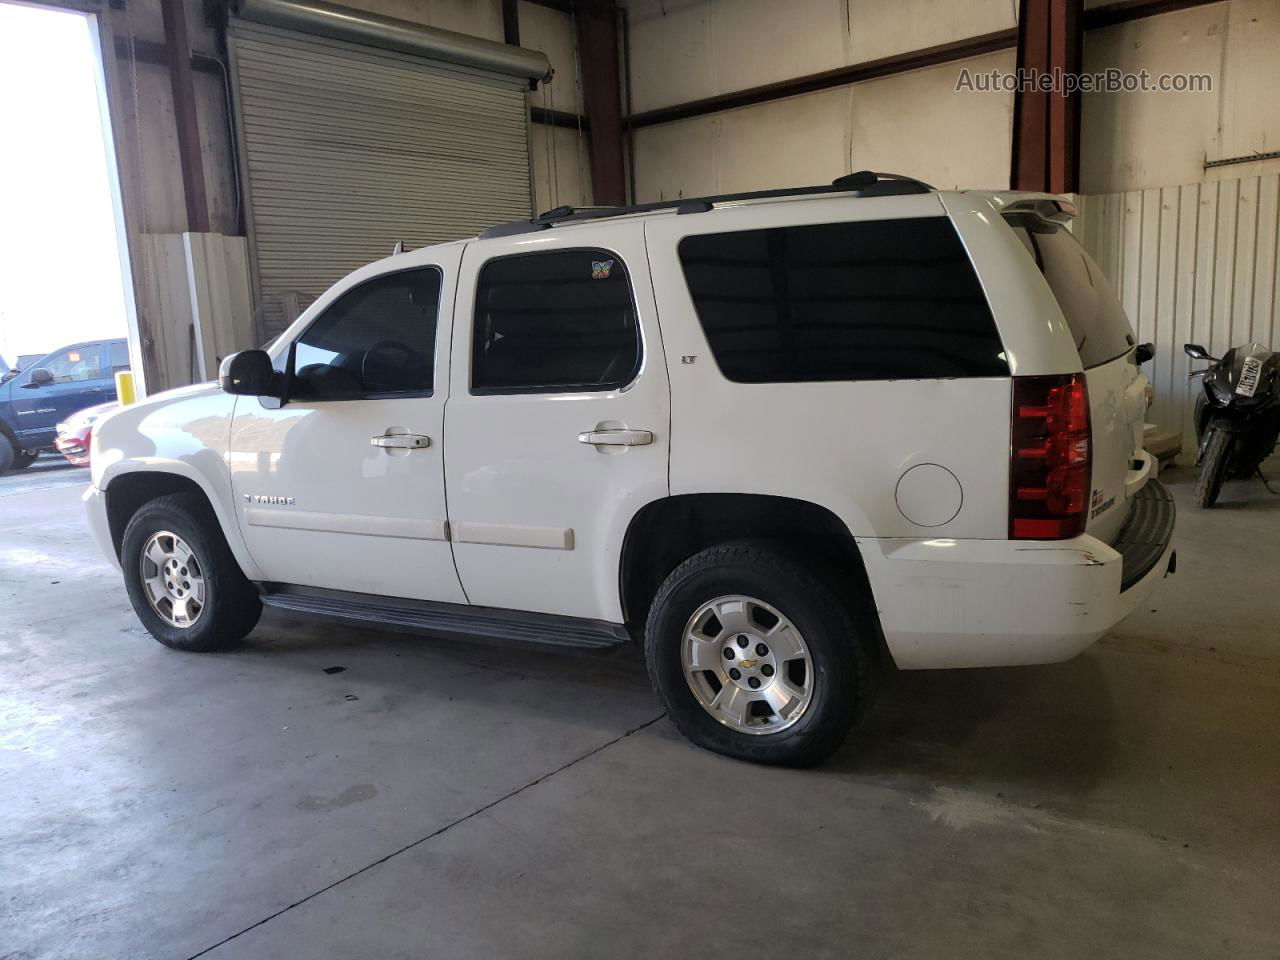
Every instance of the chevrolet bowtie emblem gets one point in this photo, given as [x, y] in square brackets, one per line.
[747, 664]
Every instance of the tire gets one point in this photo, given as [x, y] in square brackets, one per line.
[8, 454]
[24, 459]
[840, 665]
[228, 605]
[1213, 467]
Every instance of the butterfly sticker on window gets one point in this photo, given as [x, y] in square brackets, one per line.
[600, 269]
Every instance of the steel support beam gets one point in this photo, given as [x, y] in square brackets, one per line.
[565, 119]
[178, 50]
[1046, 122]
[597, 30]
[1127, 10]
[511, 22]
[157, 54]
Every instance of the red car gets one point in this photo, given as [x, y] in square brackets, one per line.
[74, 432]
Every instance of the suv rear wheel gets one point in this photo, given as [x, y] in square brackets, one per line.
[756, 657]
[183, 581]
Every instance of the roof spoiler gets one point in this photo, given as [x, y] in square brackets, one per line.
[1046, 208]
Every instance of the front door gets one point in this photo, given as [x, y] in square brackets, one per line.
[80, 379]
[557, 424]
[342, 486]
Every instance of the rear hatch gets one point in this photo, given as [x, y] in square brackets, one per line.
[1117, 387]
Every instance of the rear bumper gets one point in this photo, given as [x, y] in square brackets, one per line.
[1146, 535]
[986, 603]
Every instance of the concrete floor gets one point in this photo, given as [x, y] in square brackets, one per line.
[452, 800]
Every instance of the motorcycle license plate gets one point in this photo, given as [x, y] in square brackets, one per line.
[1249, 377]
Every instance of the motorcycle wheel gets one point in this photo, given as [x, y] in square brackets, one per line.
[1213, 468]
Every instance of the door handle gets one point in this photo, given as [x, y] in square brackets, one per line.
[401, 441]
[616, 438]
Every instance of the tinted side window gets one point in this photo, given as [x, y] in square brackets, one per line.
[873, 300]
[1094, 315]
[556, 321]
[119, 357]
[75, 365]
[376, 340]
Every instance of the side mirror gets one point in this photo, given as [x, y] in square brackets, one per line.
[249, 373]
[1197, 352]
[40, 377]
[1144, 352]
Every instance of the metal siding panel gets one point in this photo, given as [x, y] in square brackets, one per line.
[1246, 247]
[1179, 415]
[1165, 308]
[1264, 276]
[347, 150]
[1130, 253]
[1224, 258]
[1197, 263]
[1148, 261]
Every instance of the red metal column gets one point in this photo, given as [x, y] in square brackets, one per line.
[1046, 123]
[597, 25]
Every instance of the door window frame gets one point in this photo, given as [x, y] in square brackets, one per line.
[288, 356]
[24, 378]
[622, 384]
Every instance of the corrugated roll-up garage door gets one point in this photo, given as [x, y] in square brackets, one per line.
[347, 149]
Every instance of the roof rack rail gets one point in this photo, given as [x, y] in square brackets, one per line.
[864, 183]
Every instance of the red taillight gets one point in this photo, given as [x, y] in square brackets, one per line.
[1051, 458]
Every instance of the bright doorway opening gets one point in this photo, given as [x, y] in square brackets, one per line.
[63, 266]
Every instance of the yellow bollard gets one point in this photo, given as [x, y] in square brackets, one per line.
[124, 388]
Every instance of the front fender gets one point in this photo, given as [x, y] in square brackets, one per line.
[216, 491]
[181, 433]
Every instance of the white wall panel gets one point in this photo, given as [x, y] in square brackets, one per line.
[553, 33]
[913, 123]
[1132, 140]
[918, 124]
[1192, 263]
[561, 168]
[684, 50]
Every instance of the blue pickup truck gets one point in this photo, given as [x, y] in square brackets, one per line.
[33, 402]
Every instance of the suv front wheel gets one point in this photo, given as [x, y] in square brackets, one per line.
[183, 581]
[756, 657]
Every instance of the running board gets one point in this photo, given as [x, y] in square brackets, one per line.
[452, 620]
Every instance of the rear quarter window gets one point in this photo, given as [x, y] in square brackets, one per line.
[1097, 322]
[867, 300]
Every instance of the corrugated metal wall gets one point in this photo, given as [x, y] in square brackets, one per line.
[1195, 263]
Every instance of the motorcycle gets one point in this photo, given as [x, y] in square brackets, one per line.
[1237, 415]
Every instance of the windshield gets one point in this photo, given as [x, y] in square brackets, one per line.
[1098, 325]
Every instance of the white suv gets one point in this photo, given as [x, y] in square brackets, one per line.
[769, 436]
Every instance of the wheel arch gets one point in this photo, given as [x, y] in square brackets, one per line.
[128, 487]
[667, 531]
[7, 432]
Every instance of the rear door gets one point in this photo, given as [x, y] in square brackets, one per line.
[1117, 386]
[556, 430]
